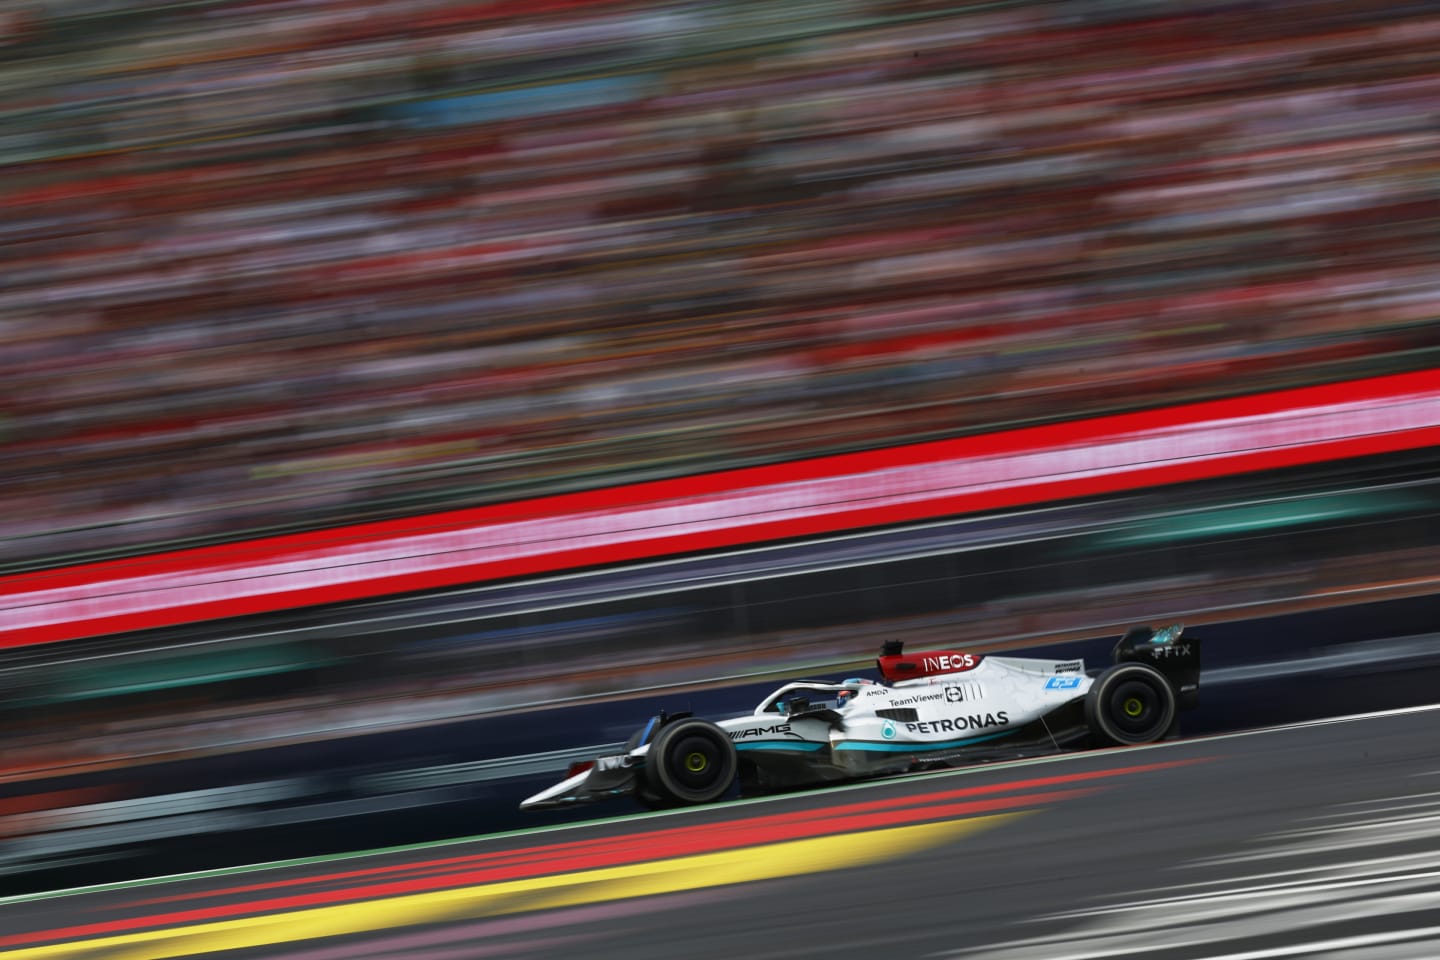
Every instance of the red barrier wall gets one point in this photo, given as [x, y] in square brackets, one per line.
[730, 508]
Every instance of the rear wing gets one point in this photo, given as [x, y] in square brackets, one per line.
[1171, 651]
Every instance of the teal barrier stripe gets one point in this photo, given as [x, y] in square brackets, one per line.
[880, 747]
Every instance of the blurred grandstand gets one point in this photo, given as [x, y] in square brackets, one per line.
[279, 264]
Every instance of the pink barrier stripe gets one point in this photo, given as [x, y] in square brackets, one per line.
[804, 498]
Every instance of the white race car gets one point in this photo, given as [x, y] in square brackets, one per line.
[937, 708]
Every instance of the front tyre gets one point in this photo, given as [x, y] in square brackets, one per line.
[1130, 703]
[651, 800]
[691, 761]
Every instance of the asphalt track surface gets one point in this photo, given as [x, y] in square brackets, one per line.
[1315, 840]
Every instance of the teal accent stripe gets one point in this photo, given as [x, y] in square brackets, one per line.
[779, 745]
[916, 747]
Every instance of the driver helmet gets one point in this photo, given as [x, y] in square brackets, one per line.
[851, 690]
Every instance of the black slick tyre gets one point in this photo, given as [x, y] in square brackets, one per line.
[1130, 703]
[691, 761]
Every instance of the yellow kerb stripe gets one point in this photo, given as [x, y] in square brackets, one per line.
[517, 896]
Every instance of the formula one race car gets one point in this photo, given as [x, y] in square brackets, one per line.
[938, 708]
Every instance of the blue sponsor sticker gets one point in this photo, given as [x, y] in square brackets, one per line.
[1062, 683]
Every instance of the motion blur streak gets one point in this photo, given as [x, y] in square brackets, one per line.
[606, 868]
[404, 946]
[694, 839]
[591, 886]
[709, 511]
[619, 851]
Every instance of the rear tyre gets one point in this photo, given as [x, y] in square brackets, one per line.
[1130, 703]
[691, 761]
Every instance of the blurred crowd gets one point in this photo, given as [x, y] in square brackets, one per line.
[289, 262]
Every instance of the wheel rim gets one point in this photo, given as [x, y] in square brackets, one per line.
[1137, 709]
[692, 761]
[696, 762]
